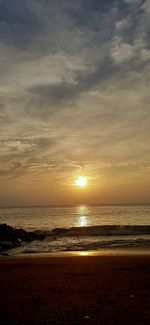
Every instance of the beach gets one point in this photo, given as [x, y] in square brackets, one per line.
[104, 289]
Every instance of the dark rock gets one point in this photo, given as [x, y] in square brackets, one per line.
[4, 254]
[5, 245]
[11, 237]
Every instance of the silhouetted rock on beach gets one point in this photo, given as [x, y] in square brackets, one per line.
[11, 237]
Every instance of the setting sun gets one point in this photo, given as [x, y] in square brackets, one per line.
[81, 181]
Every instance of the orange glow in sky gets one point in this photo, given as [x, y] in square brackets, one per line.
[74, 102]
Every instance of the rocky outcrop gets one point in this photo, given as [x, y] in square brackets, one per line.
[11, 237]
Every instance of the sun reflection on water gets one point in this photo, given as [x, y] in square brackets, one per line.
[82, 219]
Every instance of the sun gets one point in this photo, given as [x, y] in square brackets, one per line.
[81, 181]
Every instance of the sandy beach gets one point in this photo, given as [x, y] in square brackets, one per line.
[75, 290]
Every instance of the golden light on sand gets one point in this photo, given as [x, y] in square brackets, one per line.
[81, 181]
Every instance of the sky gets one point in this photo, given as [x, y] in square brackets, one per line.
[74, 101]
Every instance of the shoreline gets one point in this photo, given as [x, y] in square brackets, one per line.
[103, 252]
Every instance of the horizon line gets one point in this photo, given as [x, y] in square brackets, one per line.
[72, 205]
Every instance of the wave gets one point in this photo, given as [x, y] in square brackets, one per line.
[88, 246]
[114, 230]
[73, 239]
[139, 243]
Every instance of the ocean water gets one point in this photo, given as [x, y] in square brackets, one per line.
[113, 227]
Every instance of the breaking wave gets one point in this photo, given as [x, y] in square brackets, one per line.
[74, 239]
[114, 230]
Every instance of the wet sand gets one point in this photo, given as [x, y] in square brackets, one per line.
[75, 290]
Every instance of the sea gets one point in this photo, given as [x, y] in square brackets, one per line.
[80, 228]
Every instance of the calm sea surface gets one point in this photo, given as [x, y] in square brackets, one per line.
[48, 218]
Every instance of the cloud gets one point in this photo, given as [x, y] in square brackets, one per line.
[121, 52]
[74, 89]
